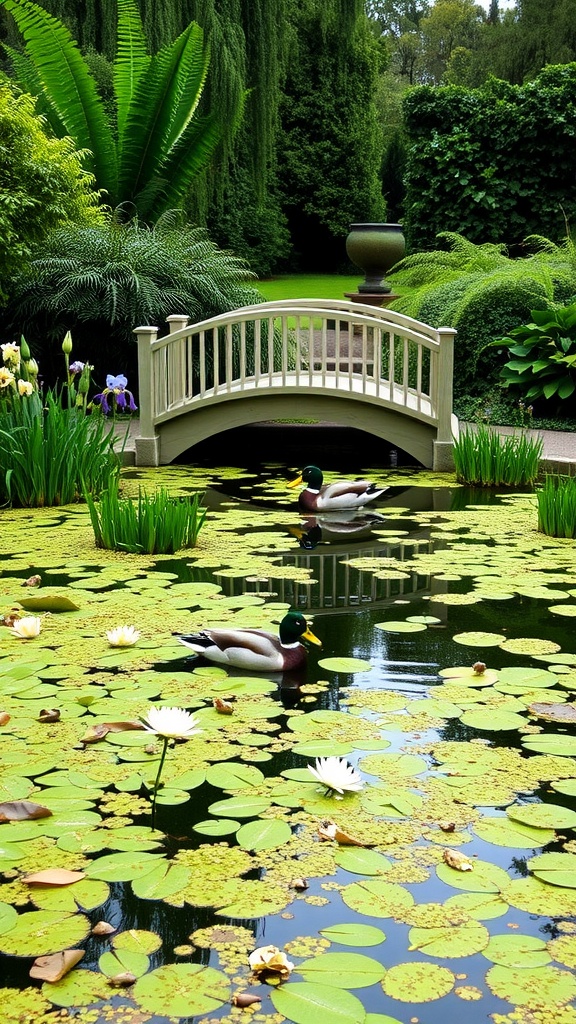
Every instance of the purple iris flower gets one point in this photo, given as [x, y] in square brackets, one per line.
[76, 367]
[115, 387]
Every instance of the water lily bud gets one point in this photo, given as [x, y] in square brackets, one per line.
[24, 349]
[67, 344]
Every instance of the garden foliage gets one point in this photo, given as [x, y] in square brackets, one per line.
[544, 354]
[157, 143]
[42, 183]
[492, 163]
[481, 292]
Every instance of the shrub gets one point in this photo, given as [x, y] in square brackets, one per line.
[102, 282]
[484, 458]
[544, 351]
[557, 506]
[155, 524]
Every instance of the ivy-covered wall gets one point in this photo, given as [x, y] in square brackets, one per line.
[495, 164]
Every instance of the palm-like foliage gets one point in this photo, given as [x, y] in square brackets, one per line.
[158, 142]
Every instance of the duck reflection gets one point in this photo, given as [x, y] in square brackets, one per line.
[333, 526]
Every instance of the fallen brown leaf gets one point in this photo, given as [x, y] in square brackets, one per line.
[22, 810]
[122, 980]
[103, 928]
[54, 876]
[245, 999]
[101, 730]
[52, 968]
[49, 715]
[457, 860]
[223, 706]
[4, 717]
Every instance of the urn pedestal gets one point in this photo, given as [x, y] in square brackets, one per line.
[375, 248]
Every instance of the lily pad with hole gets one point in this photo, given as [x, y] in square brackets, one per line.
[306, 1003]
[182, 990]
[352, 934]
[342, 970]
[165, 880]
[239, 807]
[233, 776]
[121, 960]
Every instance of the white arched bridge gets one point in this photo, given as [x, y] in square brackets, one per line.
[338, 361]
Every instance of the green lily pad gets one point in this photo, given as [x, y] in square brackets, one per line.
[217, 827]
[86, 894]
[113, 963]
[264, 834]
[351, 934]
[233, 776]
[182, 990]
[306, 1003]
[492, 720]
[418, 982]
[506, 832]
[524, 951]
[166, 879]
[450, 940]
[41, 932]
[540, 815]
[548, 986]
[48, 603]
[551, 743]
[566, 786]
[401, 626]
[123, 867]
[482, 906]
[239, 807]
[376, 897]
[484, 877]
[8, 917]
[479, 639]
[361, 862]
[342, 970]
[347, 665]
[322, 748]
[138, 940]
[77, 989]
[555, 868]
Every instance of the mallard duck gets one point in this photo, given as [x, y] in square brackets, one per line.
[255, 649]
[317, 497]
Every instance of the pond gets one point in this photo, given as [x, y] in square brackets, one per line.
[444, 888]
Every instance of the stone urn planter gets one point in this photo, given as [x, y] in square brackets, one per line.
[375, 248]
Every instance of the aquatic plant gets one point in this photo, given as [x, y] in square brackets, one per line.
[557, 506]
[123, 636]
[485, 458]
[154, 524]
[336, 775]
[50, 455]
[169, 724]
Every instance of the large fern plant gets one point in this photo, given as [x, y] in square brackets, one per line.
[483, 293]
[148, 154]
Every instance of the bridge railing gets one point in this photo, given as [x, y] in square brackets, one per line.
[315, 343]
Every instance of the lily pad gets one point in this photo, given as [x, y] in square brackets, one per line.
[40, 932]
[555, 868]
[264, 834]
[342, 970]
[361, 862]
[217, 827]
[540, 815]
[506, 832]
[182, 990]
[347, 665]
[306, 1003]
[376, 897]
[493, 720]
[450, 940]
[234, 776]
[551, 743]
[351, 934]
[525, 951]
[548, 986]
[48, 603]
[401, 626]
[484, 877]
[418, 982]
[479, 639]
[239, 807]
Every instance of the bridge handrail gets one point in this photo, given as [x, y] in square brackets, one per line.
[175, 372]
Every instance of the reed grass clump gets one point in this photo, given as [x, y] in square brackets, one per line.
[154, 524]
[485, 458]
[557, 506]
[51, 455]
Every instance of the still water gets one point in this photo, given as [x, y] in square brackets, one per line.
[358, 578]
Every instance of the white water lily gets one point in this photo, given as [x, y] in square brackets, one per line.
[171, 723]
[27, 627]
[336, 774]
[123, 636]
[269, 959]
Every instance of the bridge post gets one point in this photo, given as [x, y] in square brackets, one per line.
[443, 458]
[147, 444]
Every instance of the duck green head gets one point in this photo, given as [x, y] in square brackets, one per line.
[293, 627]
[310, 475]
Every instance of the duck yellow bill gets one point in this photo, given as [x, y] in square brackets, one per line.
[294, 483]
[309, 635]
